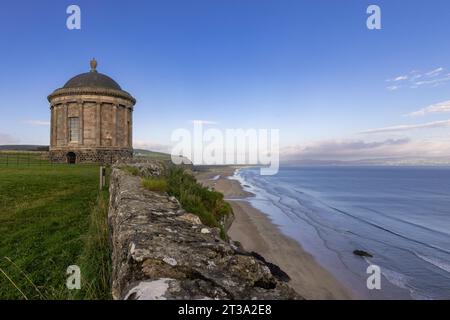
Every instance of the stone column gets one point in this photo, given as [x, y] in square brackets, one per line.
[81, 113]
[114, 126]
[98, 127]
[52, 125]
[125, 126]
[56, 110]
[130, 128]
[66, 124]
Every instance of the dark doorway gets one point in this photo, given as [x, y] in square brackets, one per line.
[71, 158]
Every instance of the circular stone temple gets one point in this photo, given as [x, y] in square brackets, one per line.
[91, 120]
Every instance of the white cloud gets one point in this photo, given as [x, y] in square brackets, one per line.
[202, 122]
[440, 107]
[432, 82]
[7, 139]
[38, 122]
[152, 146]
[393, 88]
[400, 78]
[434, 72]
[408, 127]
[416, 79]
[359, 149]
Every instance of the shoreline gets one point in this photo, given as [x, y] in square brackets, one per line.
[255, 232]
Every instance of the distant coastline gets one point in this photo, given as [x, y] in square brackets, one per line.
[392, 161]
[400, 161]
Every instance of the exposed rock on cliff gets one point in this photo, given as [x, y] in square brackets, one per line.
[162, 252]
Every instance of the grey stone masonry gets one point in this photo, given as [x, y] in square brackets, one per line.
[91, 120]
[160, 251]
[93, 156]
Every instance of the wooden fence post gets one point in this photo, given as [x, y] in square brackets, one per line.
[102, 177]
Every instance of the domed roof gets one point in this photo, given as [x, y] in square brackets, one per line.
[91, 83]
[92, 79]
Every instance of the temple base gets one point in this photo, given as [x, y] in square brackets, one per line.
[89, 156]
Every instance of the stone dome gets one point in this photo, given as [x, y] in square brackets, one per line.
[92, 79]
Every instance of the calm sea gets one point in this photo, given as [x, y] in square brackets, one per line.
[401, 215]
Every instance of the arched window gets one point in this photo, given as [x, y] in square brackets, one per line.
[71, 158]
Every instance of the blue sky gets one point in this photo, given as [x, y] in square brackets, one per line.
[309, 68]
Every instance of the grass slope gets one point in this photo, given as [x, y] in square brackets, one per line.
[46, 225]
[151, 155]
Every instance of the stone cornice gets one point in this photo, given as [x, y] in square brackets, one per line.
[94, 91]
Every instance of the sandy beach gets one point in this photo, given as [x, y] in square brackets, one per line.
[254, 230]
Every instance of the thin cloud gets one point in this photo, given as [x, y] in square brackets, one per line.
[342, 149]
[152, 146]
[7, 139]
[400, 78]
[433, 82]
[203, 122]
[441, 107]
[434, 72]
[416, 79]
[393, 88]
[360, 149]
[38, 122]
[407, 127]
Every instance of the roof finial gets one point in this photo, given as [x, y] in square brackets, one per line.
[93, 65]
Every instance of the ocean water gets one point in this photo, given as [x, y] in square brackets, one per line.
[401, 215]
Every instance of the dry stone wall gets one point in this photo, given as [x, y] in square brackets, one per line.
[160, 251]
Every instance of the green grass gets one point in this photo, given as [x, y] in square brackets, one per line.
[208, 205]
[131, 170]
[155, 184]
[52, 217]
[95, 259]
[23, 158]
[150, 155]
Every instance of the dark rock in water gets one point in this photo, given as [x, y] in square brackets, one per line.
[274, 269]
[362, 253]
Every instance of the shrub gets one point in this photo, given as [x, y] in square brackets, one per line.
[131, 170]
[208, 205]
[155, 184]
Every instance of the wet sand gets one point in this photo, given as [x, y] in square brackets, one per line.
[254, 230]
